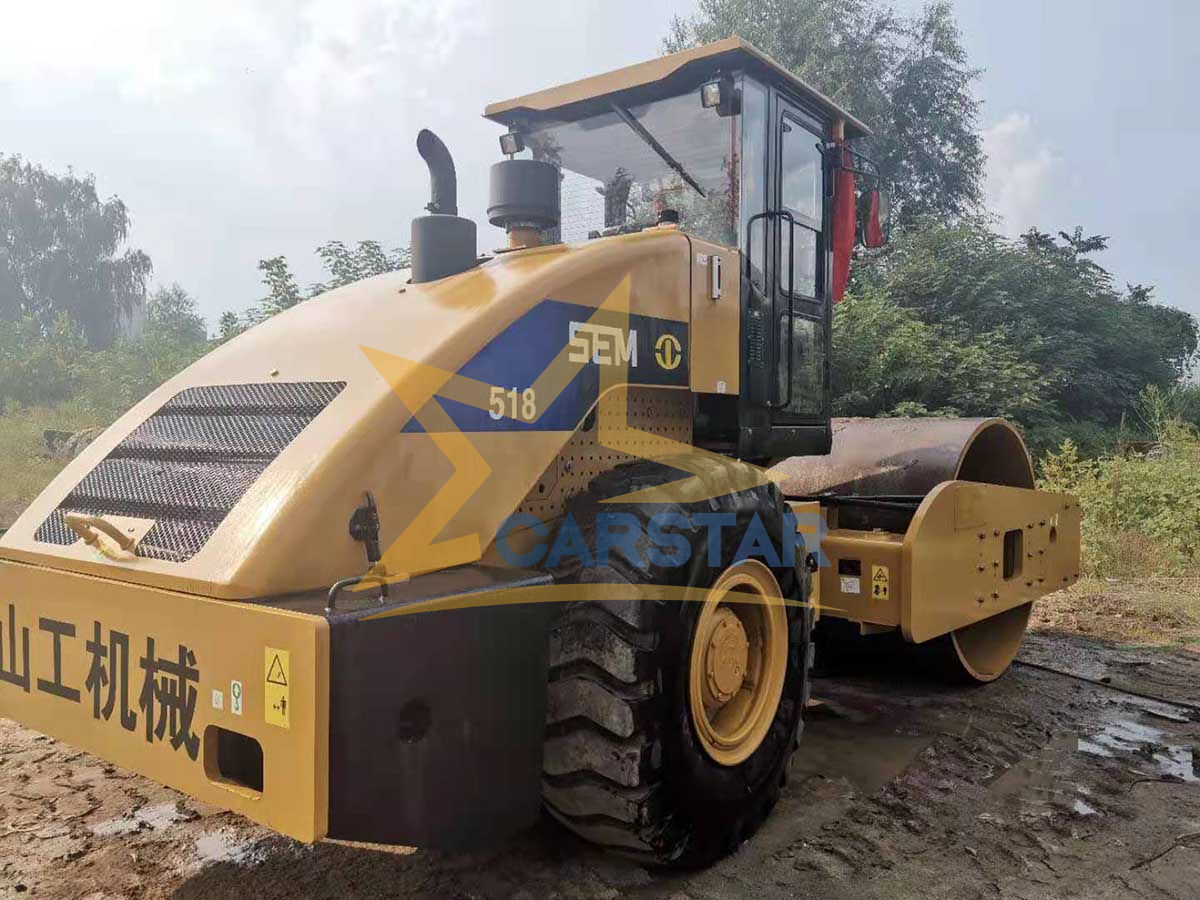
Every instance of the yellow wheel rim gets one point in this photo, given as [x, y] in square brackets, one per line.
[738, 662]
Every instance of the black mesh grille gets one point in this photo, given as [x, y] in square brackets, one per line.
[189, 463]
[303, 397]
[205, 437]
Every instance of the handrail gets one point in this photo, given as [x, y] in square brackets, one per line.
[791, 292]
[90, 528]
[339, 586]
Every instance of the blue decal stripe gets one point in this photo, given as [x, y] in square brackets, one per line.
[516, 357]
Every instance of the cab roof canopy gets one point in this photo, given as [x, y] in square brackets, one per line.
[661, 77]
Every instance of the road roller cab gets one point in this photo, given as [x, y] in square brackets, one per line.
[422, 554]
[757, 168]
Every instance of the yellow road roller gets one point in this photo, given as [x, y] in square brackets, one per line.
[550, 526]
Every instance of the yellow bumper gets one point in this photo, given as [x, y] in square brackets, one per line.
[227, 702]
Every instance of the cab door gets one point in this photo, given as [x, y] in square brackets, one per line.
[801, 323]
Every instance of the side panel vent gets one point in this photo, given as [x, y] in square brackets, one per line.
[188, 464]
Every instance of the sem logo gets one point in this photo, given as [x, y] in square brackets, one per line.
[604, 345]
[668, 352]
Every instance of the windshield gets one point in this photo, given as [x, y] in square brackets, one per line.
[624, 166]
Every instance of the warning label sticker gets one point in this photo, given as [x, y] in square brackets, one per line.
[880, 582]
[276, 690]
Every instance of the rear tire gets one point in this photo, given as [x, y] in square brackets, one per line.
[623, 764]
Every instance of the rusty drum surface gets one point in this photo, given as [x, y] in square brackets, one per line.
[910, 456]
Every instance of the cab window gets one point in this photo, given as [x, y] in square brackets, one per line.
[802, 195]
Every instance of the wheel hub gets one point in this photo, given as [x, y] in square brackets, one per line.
[725, 658]
[738, 662]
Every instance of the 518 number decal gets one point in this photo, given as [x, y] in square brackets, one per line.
[512, 403]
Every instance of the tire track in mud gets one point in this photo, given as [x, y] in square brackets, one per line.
[1012, 795]
[1171, 674]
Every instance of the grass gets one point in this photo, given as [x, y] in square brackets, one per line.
[1162, 611]
[25, 464]
[1141, 537]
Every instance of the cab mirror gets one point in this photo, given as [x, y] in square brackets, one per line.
[876, 219]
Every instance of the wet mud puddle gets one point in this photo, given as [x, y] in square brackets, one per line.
[851, 738]
[1151, 746]
[865, 742]
[1065, 775]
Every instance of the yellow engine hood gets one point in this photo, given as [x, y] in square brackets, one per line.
[289, 530]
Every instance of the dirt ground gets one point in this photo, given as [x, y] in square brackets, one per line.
[1037, 786]
[1149, 611]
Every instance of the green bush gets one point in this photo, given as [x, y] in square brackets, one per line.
[37, 368]
[888, 361]
[40, 367]
[1185, 402]
[1091, 439]
[54, 381]
[120, 376]
[1141, 510]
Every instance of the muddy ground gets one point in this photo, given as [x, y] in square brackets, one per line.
[1038, 786]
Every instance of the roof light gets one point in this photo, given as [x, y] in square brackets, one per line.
[722, 96]
[511, 143]
[710, 95]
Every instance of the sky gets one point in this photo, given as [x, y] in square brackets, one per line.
[236, 130]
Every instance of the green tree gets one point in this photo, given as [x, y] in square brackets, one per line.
[40, 367]
[1038, 308]
[61, 253]
[908, 78]
[888, 361]
[171, 314]
[344, 265]
[282, 290]
[347, 265]
[229, 326]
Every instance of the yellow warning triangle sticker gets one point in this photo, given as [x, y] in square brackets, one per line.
[275, 672]
[881, 574]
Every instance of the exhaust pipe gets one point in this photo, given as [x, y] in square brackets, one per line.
[443, 183]
[443, 243]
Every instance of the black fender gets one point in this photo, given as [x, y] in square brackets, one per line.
[436, 719]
